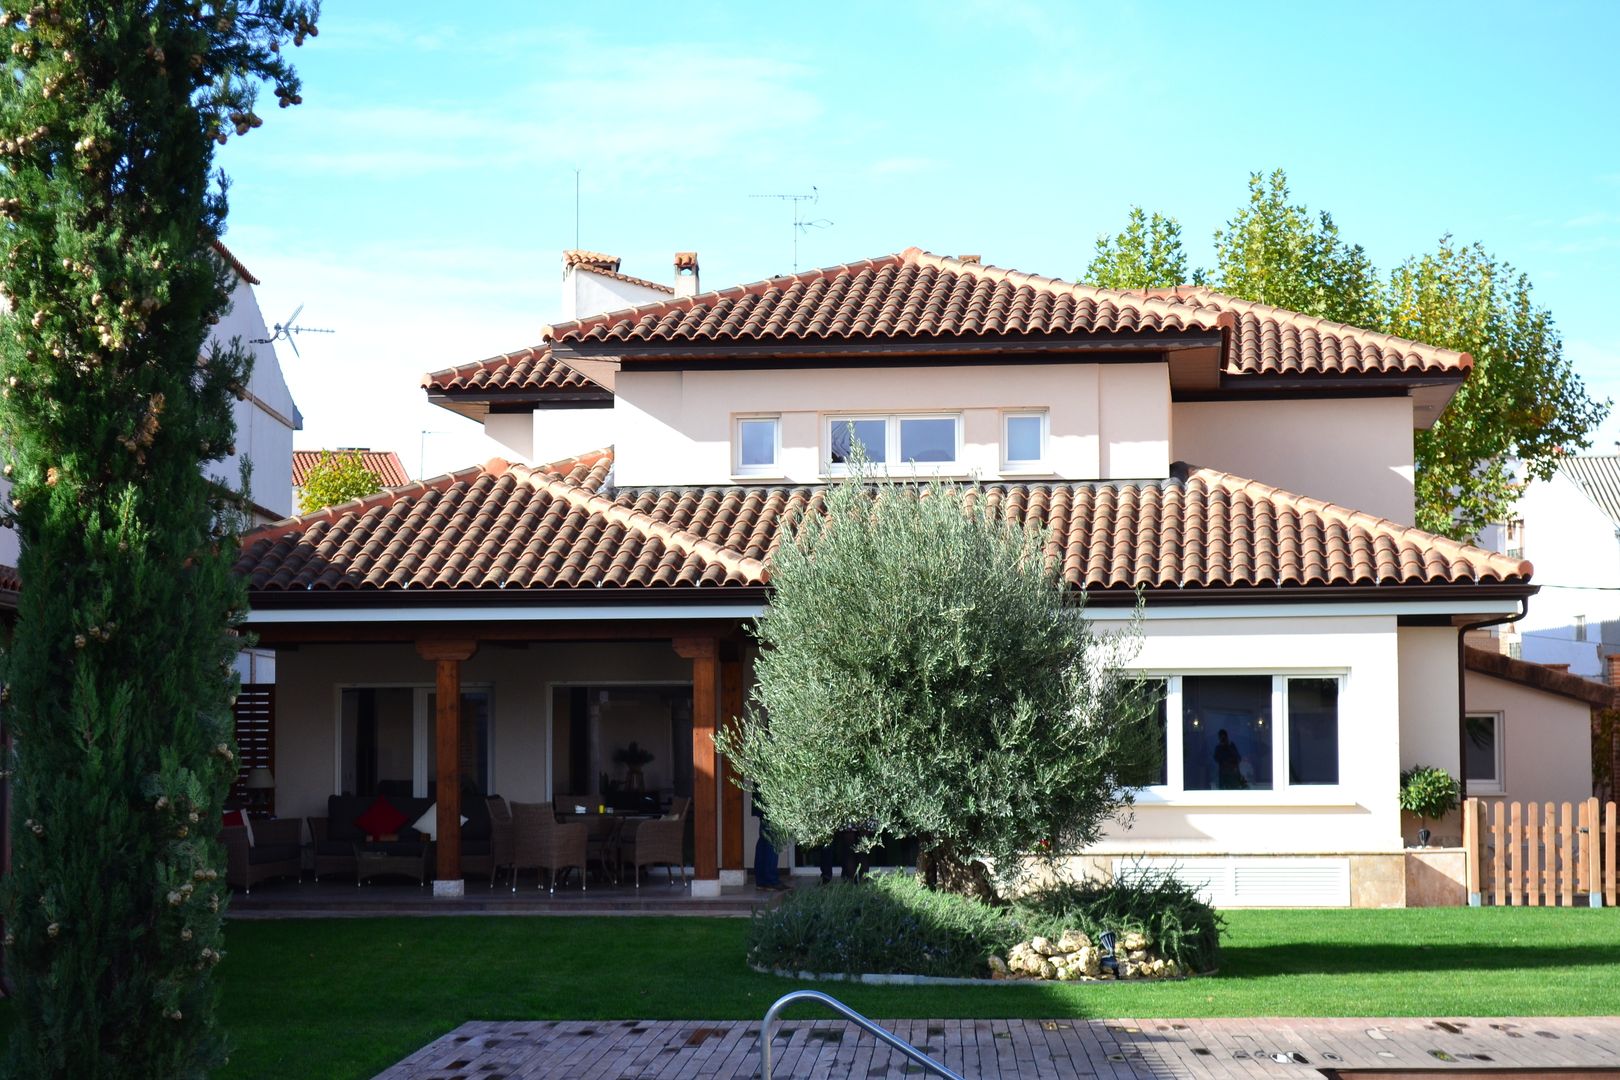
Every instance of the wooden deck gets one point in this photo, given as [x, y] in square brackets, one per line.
[1257, 1049]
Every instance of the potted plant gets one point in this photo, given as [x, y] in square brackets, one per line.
[633, 758]
[1428, 792]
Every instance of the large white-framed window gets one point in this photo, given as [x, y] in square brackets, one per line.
[930, 442]
[1023, 441]
[1483, 759]
[385, 743]
[757, 446]
[1235, 735]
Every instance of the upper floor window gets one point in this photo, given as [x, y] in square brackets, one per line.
[901, 439]
[759, 445]
[1023, 442]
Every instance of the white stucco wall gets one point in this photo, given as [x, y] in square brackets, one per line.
[1358, 815]
[1428, 691]
[266, 419]
[1547, 740]
[1576, 553]
[1356, 452]
[585, 293]
[1109, 421]
[310, 680]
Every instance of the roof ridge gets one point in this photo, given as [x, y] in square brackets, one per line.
[629, 279]
[302, 523]
[594, 502]
[552, 331]
[1076, 289]
[1344, 515]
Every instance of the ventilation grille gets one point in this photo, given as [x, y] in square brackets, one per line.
[1252, 881]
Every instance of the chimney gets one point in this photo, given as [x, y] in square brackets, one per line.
[1611, 669]
[686, 273]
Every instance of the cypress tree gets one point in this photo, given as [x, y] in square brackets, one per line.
[112, 401]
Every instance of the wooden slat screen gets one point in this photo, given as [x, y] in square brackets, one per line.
[1548, 854]
[255, 711]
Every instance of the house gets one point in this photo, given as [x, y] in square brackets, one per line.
[1569, 525]
[266, 418]
[383, 464]
[508, 627]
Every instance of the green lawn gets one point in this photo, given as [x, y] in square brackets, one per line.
[344, 998]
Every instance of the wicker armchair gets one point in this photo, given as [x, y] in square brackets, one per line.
[277, 850]
[501, 837]
[541, 842]
[331, 857]
[662, 842]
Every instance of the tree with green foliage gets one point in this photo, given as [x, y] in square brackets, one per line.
[1145, 254]
[337, 478]
[1520, 410]
[119, 672]
[924, 675]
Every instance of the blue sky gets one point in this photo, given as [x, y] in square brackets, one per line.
[419, 200]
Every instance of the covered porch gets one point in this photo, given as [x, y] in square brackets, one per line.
[605, 714]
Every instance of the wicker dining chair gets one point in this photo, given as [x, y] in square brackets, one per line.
[541, 842]
[662, 842]
[501, 836]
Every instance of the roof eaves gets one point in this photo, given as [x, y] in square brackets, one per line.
[1539, 677]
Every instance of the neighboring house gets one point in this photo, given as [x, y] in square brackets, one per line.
[383, 464]
[1246, 470]
[266, 418]
[1569, 526]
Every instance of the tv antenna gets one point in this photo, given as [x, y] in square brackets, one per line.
[800, 224]
[286, 332]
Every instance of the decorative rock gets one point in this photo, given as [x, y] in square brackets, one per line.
[998, 966]
[1072, 941]
[1090, 962]
[1042, 946]
[1133, 941]
[1049, 970]
[1136, 956]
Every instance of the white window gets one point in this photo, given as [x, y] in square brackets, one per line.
[759, 446]
[932, 442]
[1023, 442]
[1482, 754]
[1242, 733]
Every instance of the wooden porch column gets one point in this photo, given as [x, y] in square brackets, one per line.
[448, 656]
[704, 654]
[731, 796]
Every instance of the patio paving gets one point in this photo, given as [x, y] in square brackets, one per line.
[336, 898]
[1252, 1049]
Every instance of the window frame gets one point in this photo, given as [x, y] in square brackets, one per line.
[1037, 466]
[1281, 792]
[891, 440]
[1498, 784]
[774, 469]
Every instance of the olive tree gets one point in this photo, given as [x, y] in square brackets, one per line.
[924, 674]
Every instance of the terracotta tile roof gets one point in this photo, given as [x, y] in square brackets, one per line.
[1539, 677]
[608, 266]
[529, 371]
[384, 463]
[916, 294]
[563, 526]
[235, 264]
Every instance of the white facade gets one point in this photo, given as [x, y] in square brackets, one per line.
[1575, 546]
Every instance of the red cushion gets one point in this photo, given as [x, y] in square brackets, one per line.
[380, 818]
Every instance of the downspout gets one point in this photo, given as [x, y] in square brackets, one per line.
[1462, 701]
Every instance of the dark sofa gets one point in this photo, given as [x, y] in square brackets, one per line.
[336, 834]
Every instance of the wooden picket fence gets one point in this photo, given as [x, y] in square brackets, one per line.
[1540, 854]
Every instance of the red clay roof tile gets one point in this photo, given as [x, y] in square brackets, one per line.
[563, 526]
[384, 464]
[918, 294]
[533, 370]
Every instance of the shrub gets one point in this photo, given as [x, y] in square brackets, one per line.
[1177, 924]
[1429, 792]
[893, 924]
[889, 923]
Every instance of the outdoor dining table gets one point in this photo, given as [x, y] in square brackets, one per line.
[607, 832]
